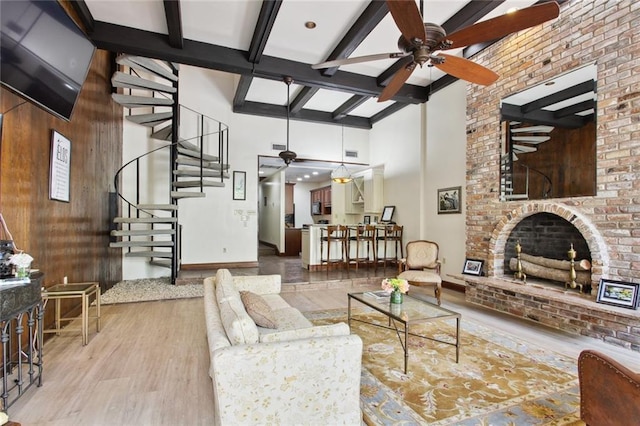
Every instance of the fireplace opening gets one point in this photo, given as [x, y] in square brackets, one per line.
[545, 241]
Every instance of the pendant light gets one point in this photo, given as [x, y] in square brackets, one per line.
[288, 156]
[341, 174]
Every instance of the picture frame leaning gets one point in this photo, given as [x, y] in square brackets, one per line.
[473, 267]
[618, 293]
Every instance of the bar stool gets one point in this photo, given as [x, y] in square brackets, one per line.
[336, 238]
[364, 237]
[389, 235]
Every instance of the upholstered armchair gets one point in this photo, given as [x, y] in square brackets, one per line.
[421, 267]
[609, 391]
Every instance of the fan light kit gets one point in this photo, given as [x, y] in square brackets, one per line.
[423, 42]
[341, 174]
[288, 156]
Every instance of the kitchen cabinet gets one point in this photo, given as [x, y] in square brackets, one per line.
[323, 196]
[365, 193]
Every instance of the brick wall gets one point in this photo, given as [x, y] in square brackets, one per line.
[607, 32]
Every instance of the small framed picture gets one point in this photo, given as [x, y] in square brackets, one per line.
[473, 267]
[239, 185]
[618, 293]
[367, 220]
[449, 200]
[387, 213]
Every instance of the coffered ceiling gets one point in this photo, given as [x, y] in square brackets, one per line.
[264, 41]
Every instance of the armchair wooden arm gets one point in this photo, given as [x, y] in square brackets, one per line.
[609, 391]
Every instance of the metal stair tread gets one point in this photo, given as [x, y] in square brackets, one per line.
[149, 253]
[130, 101]
[121, 79]
[161, 262]
[166, 207]
[196, 154]
[197, 183]
[187, 194]
[190, 161]
[146, 64]
[150, 119]
[145, 220]
[196, 173]
[141, 232]
[134, 243]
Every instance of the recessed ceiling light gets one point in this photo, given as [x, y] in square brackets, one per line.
[550, 83]
[314, 173]
[261, 172]
[310, 25]
[307, 176]
[299, 179]
[511, 10]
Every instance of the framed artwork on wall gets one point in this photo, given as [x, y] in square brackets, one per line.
[367, 220]
[239, 185]
[387, 213]
[618, 293]
[449, 200]
[60, 168]
[473, 267]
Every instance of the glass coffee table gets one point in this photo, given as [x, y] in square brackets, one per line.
[401, 316]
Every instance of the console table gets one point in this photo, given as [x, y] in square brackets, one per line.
[20, 306]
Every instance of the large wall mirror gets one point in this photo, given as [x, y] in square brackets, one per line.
[549, 138]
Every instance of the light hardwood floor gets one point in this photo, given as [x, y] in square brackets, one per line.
[149, 364]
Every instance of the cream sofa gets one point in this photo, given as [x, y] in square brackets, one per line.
[294, 374]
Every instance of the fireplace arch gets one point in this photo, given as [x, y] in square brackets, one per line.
[595, 241]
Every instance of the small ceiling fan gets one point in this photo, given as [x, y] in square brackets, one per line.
[423, 41]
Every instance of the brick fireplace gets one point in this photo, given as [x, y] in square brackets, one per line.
[586, 32]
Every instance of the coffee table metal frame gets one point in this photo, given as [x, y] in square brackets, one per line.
[412, 311]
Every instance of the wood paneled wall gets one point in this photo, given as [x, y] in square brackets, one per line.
[65, 239]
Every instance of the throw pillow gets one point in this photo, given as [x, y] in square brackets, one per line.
[258, 309]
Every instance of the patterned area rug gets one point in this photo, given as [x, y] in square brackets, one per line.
[499, 380]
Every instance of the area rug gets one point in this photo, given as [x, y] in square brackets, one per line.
[500, 380]
[148, 289]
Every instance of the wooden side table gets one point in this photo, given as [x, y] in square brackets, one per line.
[85, 291]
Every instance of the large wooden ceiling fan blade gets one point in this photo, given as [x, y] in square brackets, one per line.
[358, 59]
[466, 70]
[503, 25]
[407, 18]
[396, 82]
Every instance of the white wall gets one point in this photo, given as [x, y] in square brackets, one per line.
[302, 203]
[446, 167]
[396, 143]
[271, 217]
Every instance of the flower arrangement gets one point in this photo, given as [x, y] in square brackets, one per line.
[21, 260]
[395, 284]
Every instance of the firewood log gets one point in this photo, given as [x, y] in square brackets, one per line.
[533, 270]
[579, 265]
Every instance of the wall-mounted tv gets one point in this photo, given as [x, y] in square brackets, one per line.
[44, 56]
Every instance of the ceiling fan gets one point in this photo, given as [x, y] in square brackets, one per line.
[423, 41]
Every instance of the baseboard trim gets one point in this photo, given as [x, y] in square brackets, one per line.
[201, 266]
[454, 286]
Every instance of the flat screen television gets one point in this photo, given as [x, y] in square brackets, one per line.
[44, 56]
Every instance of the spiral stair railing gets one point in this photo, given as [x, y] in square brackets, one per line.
[197, 154]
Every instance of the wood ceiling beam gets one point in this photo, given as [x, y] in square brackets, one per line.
[559, 96]
[514, 113]
[262, 31]
[277, 111]
[86, 18]
[242, 90]
[366, 22]
[352, 103]
[303, 97]
[174, 22]
[121, 39]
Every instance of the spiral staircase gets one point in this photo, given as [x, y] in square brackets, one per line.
[194, 146]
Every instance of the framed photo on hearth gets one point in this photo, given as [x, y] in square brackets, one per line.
[449, 200]
[473, 267]
[618, 293]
